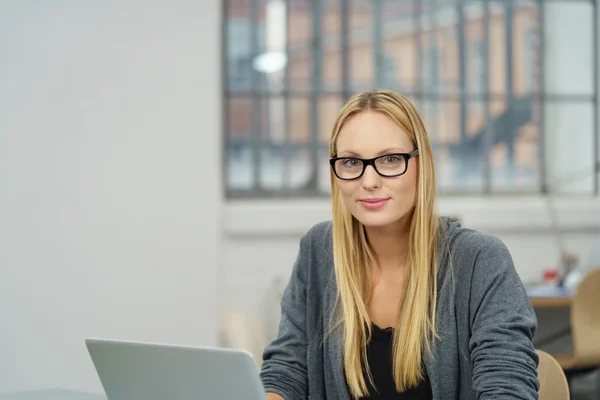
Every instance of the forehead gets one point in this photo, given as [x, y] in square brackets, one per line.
[370, 133]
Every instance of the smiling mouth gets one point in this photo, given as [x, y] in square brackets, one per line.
[372, 204]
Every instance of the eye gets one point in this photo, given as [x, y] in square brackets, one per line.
[391, 159]
[351, 162]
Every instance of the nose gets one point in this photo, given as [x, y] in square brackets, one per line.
[371, 179]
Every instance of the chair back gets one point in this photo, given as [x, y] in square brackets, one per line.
[585, 320]
[553, 382]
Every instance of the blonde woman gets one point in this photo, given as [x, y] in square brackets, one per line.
[389, 300]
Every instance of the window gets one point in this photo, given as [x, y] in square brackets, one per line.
[472, 70]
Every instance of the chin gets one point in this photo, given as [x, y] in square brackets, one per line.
[376, 221]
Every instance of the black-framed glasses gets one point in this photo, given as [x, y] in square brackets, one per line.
[387, 165]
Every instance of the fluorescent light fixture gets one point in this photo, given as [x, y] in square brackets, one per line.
[270, 62]
[274, 59]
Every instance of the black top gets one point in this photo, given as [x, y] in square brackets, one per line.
[379, 355]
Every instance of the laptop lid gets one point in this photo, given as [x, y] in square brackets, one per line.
[153, 371]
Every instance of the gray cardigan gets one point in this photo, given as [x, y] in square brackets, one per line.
[485, 322]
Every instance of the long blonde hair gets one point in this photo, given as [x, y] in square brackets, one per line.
[353, 259]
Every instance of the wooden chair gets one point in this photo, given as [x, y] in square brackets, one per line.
[553, 382]
[585, 328]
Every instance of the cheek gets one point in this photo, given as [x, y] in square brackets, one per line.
[411, 188]
[406, 186]
[347, 190]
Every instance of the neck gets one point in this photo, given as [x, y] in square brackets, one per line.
[390, 244]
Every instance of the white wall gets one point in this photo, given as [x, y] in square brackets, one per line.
[109, 196]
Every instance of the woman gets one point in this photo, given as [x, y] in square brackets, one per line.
[389, 300]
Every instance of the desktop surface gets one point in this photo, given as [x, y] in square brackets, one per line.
[51, 394]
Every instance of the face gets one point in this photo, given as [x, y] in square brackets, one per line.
[374, 200]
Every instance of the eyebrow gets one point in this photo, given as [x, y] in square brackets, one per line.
[392, 150]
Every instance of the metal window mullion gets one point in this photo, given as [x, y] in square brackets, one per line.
[377, 27]
[463, 166]
[316, 11]
[418, 49]
[488, 132]
[508, 42]
[510, 88]
[461, 69]
[256, 98]
[344, 49]
[225, 115]
[542, 97]
[596, 133]
[286, 154]
[434, 62]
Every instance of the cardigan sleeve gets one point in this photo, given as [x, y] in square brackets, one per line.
[284, 367]
[503, 324]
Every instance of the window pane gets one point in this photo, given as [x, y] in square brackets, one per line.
[456, 155]
[400, 63]
[361, 52]
[331, 67]
[299, 70]
[239, 45]
[500, 153]
[570, 143]
[257, 42]
[527, 61]
[274, 139]
[298, 157]
[447, 42]
[498, 47]
[469, 150]
[514, 153]
[299, 37]
[428, 63]
[443, 129]
[239, 143]
[329, 107]
[475, 52]
[569, 48]
[447, 123]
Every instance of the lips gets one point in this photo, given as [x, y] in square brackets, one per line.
[374, 203]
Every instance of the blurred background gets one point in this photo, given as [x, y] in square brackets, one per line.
[160, 161]
[496, 83]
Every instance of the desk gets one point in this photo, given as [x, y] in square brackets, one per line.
[549, 296]
[548, 302]
[51, 394]
[552, 307]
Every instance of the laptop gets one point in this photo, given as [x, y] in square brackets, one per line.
[153, 371]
